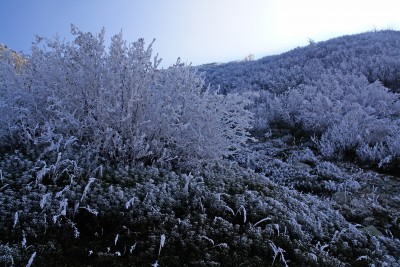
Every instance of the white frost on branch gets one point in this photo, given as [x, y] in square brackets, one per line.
[86, 190]
[162, 243]
[31, 260]
[16, 218]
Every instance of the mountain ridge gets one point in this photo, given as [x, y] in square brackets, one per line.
[348, 53]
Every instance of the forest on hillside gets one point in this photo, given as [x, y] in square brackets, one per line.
[289, 160]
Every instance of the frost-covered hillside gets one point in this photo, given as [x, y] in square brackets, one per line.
[341, 92]
[290, 160]
[374, 55]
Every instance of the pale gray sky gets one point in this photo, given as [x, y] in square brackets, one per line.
[198, 31]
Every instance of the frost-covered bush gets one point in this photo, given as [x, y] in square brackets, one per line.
[348, 114]
[191, 120]
[96, 105]
[324, 102]
[364, 122]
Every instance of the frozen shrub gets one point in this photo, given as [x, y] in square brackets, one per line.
[385, 152]
[324, 102]
[95, 105]
[347, 114]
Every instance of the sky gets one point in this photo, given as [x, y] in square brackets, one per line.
[198, 31]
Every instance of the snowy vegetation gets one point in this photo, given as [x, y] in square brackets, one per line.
[105, 159]
[96, 106]
[341, 92]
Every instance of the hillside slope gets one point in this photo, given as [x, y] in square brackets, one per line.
[375, 55]
[327, 120]
[341, 93]
[106, 160]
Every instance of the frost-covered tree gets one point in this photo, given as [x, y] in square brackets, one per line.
[97, 105]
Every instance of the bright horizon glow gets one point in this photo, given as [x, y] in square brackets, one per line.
[198, 31]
